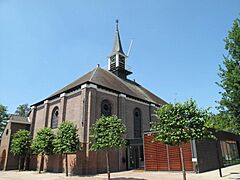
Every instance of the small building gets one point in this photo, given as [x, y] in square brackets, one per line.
[7, 159]
[200, 156]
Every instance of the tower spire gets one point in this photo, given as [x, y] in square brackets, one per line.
[117, 46]
[116, 61]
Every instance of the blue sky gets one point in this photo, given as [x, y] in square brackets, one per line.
[178, 45]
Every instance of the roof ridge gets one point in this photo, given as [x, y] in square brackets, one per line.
[93, 73]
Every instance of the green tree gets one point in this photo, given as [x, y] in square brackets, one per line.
[66, 140]
[3, 118]
[223, 122]
[20, 145]
[107, 133]
[22, 110]
[43, 143]
[230, 76]
[179, 123]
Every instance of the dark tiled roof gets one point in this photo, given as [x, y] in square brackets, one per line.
[117, 46]
[18, 118]
[108, 80]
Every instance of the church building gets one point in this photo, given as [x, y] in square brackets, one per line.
[98, 92]
[110, 92]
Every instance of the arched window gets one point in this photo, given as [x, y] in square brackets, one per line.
[54, 120]
[137, 123]
[106, 108]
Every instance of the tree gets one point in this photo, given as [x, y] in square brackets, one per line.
[107, 133]
[222, 122]
[178, 124]
[230, 76]
[20, 145]
[3, 118]
[66, 140]
[43, 143]
[22, 110]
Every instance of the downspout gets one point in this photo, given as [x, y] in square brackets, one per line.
[150, 116]
[118, 106]
[118, 112]
[194, 156]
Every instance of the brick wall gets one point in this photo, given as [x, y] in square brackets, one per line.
[10, 161]
[83, 107]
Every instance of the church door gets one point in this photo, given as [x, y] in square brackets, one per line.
[135, 157]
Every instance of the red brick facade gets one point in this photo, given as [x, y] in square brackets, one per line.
[7, 160]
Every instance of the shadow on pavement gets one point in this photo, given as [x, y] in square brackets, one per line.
[114, 178]
[123, 178]
[231, 173]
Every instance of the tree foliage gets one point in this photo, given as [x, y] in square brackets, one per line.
[21, 142]
[67, 140]
[3, 117]
[43, 142]
[180, 123]
[22, 110]
[222, 122]
[107, 132]
[230, 76]
[20, 145]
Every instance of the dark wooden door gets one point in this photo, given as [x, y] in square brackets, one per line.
[136, 157]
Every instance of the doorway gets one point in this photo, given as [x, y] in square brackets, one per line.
[135, 157]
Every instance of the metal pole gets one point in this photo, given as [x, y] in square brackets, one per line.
[219, 164]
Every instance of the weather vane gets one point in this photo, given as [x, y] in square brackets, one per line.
[117, 24]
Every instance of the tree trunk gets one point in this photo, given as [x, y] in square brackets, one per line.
[41, 164]
[66, 163]
[108, 165]
[24, 162]
[182, 161]
[27, 159]
[19, 163]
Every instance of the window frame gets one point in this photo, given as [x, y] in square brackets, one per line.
[137, 126]
[105, 112]
[54, 117]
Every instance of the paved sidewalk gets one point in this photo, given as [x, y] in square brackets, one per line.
[232, 172]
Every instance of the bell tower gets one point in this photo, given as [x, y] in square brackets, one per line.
[117, 59]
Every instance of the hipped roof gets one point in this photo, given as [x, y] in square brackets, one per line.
[110, 81]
